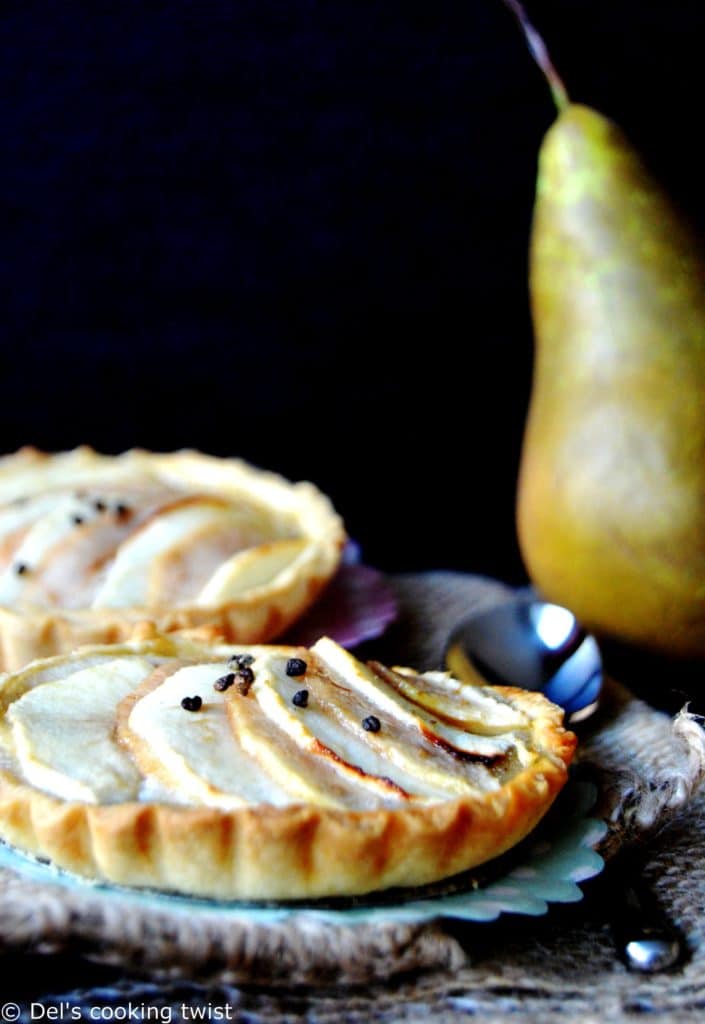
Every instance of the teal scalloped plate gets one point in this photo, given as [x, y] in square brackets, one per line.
[546, 868]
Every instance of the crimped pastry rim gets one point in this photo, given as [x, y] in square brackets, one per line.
[255, 615]
[294, 852]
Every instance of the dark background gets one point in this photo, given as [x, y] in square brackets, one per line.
[297, 232]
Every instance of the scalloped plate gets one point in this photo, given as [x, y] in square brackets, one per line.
[546, 868]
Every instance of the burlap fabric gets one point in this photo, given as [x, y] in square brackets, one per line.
[649, 769]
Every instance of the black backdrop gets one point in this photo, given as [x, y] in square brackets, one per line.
[296, 231]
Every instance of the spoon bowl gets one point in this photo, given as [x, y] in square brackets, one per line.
[532, 644]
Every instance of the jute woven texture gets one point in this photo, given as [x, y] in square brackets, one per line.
[650, 769]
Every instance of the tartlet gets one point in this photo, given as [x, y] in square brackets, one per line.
[268, 772]
[92, 544]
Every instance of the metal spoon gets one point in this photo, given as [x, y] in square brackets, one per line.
[536, 645]
[533, 644]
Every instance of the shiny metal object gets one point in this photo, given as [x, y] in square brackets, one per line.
[529, 643]
[644, 937]
[652, 954]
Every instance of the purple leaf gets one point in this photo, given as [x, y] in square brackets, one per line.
[357, 605]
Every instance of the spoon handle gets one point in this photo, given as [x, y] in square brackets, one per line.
[645, 939]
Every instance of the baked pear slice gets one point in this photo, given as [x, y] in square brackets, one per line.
[268, 772]
[63, 733]
[192, 756]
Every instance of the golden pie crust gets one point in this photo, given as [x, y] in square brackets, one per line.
[64, 588]
[302, 849]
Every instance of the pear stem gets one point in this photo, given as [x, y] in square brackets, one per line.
[540, 54]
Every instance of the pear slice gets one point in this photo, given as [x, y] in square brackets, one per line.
[376, 689]
[53, 524]
[248, 569]
[192, 754]
[128, 581]
[20, 516]
[64, 733]
[307, 779]
[472, 708]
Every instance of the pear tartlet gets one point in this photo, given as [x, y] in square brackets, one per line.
[92, 544]
[268, 772]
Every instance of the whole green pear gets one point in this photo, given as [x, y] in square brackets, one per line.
[611, 495]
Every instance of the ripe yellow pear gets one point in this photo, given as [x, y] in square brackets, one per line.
[611, 497]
